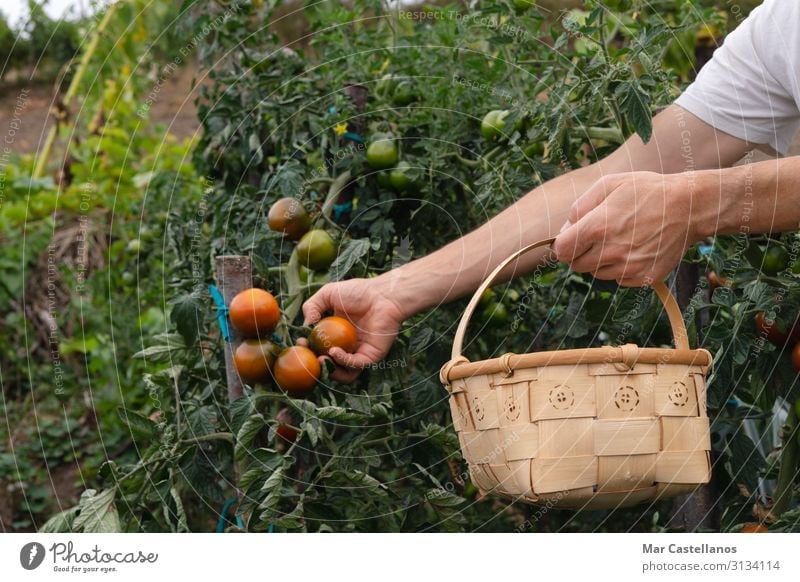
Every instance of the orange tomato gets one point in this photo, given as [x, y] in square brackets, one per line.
[288, 216]
[254, 313]
[253, 359]
[284, 429]
[770, 329]
[796, 358]
[296, 370]
[715, 281]
[332, 332]
[753, 527]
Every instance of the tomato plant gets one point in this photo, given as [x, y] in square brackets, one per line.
[288, 123]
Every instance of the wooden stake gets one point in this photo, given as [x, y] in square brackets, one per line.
[234, 274]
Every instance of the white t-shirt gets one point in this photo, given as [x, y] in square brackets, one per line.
[751, 87]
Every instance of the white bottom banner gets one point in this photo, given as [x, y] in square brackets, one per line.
[378, 557]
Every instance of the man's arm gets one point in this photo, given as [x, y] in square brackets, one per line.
[681, 142]
[378, 306]
[635, 227]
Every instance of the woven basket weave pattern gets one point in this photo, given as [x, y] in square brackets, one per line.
[587, 432]
[592, 428]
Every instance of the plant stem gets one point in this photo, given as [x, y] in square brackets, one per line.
[610, 134]
[214, 436]
[333, 193]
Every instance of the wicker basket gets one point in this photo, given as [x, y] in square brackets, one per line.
[583, 428]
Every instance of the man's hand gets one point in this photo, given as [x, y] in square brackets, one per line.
[633, 227]
[368, 305]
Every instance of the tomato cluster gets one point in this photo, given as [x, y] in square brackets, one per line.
[383, 156]
[295, 369]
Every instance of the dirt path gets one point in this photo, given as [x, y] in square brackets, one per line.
[25, 119]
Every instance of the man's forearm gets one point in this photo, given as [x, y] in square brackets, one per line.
[762, 197]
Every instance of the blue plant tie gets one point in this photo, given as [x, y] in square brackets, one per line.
[223, 516]
[353, 136]
[339, 210]
[332, 109]
[705, 250]
[222, 312]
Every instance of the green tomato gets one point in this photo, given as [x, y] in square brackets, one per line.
[135, 245]
[493, 124]
[399, 177]
[496, 313]
[487, 297]
[382, 154]
[316, 250]
[404, 94]
[128, 277]
[775, 260]
[384, 179]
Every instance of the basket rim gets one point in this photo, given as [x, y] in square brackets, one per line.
[460, 368]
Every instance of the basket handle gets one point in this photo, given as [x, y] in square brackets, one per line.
[670, 305]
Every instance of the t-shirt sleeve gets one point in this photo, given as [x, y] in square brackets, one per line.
[747, 89]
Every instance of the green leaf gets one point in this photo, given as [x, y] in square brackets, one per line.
[240, 410]
[62, 522]
[186, 315]
[348, 257]
[443, 498]
[246, 435]
[635, 106]
[745, 460]
[137, 422]
[156, 353]
[98, 513]
[358, 482]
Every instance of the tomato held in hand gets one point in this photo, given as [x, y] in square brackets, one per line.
[288, 216]
[296, 370]
[254, 313]
[332, 332]
[254, 359]
[285, 422]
